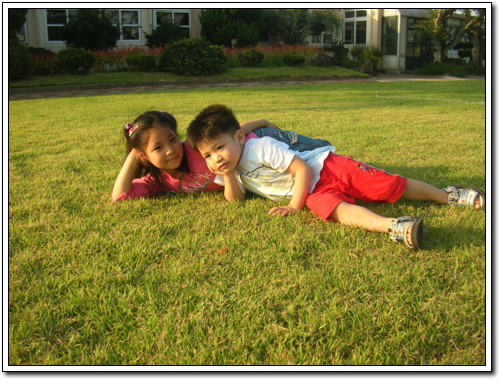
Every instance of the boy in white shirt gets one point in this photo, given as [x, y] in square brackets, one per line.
[326, 182]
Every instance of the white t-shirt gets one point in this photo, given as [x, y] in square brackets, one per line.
[262, 168]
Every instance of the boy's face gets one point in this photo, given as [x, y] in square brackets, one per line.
[223, 153]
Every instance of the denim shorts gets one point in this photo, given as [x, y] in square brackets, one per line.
[295, 141]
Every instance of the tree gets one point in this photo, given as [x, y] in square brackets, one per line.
[220, 26]
[166, 33]
[447, 35]
[323, 21]
[293, 25]
[90, 29]
[478, 36]
[17, 18]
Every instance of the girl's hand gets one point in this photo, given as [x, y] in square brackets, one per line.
[282, 210]
[139, 157]
[249, 126]
[271, 125]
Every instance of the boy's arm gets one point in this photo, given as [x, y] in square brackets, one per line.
[232, 191]
[303, 175]
[249, 126]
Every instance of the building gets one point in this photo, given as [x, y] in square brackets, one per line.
[42, 28]
[391, 30]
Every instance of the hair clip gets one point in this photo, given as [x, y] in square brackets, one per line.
[130, 129]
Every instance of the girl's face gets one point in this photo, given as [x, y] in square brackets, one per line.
[163, 149]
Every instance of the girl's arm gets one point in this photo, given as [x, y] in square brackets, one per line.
[303, 175]
[124, 180]
[249, 126]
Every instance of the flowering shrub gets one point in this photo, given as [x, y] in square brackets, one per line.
[137, 58]
[44, 64]
[115, 59]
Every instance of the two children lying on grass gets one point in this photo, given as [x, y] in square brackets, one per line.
[283, 166]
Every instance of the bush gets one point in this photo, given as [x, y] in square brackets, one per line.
[439, 68]
[323, 59]
[20, 60]
[43, 61]
[340, 53]
[165, 34]
[293, 59]
[476, 70]
[250, 57]
[90, 29]
[192, 57]
[74, 61]
[366, 58]
[140, 62]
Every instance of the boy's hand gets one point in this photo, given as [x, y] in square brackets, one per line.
[217, 172]
[282, 210]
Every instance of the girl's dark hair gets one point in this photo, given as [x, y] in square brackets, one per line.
[148, 120]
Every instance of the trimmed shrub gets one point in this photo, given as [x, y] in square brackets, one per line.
[250, 57]
[340, 53]
[476, 70]
[43, 61]
[165, 34]
[141, 62]
[20, 60]
[192, 57]
[439, 68]
[74, 61]
[293, 59]
[323, 59]
[366, 58]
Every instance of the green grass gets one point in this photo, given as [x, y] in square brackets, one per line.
[194, 280]
[234, 74]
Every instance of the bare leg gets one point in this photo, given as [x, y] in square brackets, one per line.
[420, 191]
[354, 215]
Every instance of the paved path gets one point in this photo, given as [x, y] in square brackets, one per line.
[110, 89]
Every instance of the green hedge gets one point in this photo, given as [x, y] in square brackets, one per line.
[74, 60]
[192, 57]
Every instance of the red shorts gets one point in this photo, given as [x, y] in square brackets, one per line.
[344, 179]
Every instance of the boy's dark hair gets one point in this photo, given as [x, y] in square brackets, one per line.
[213, 121]
[145, 122]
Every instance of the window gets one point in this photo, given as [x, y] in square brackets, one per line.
[128, 21]
[360, 32]
[349, 33]
[322, 39]
[179, 16]
[355, 25]
[55, 20]
[390, 35]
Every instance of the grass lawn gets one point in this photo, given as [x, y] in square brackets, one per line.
[234, 74]
[194, 280]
